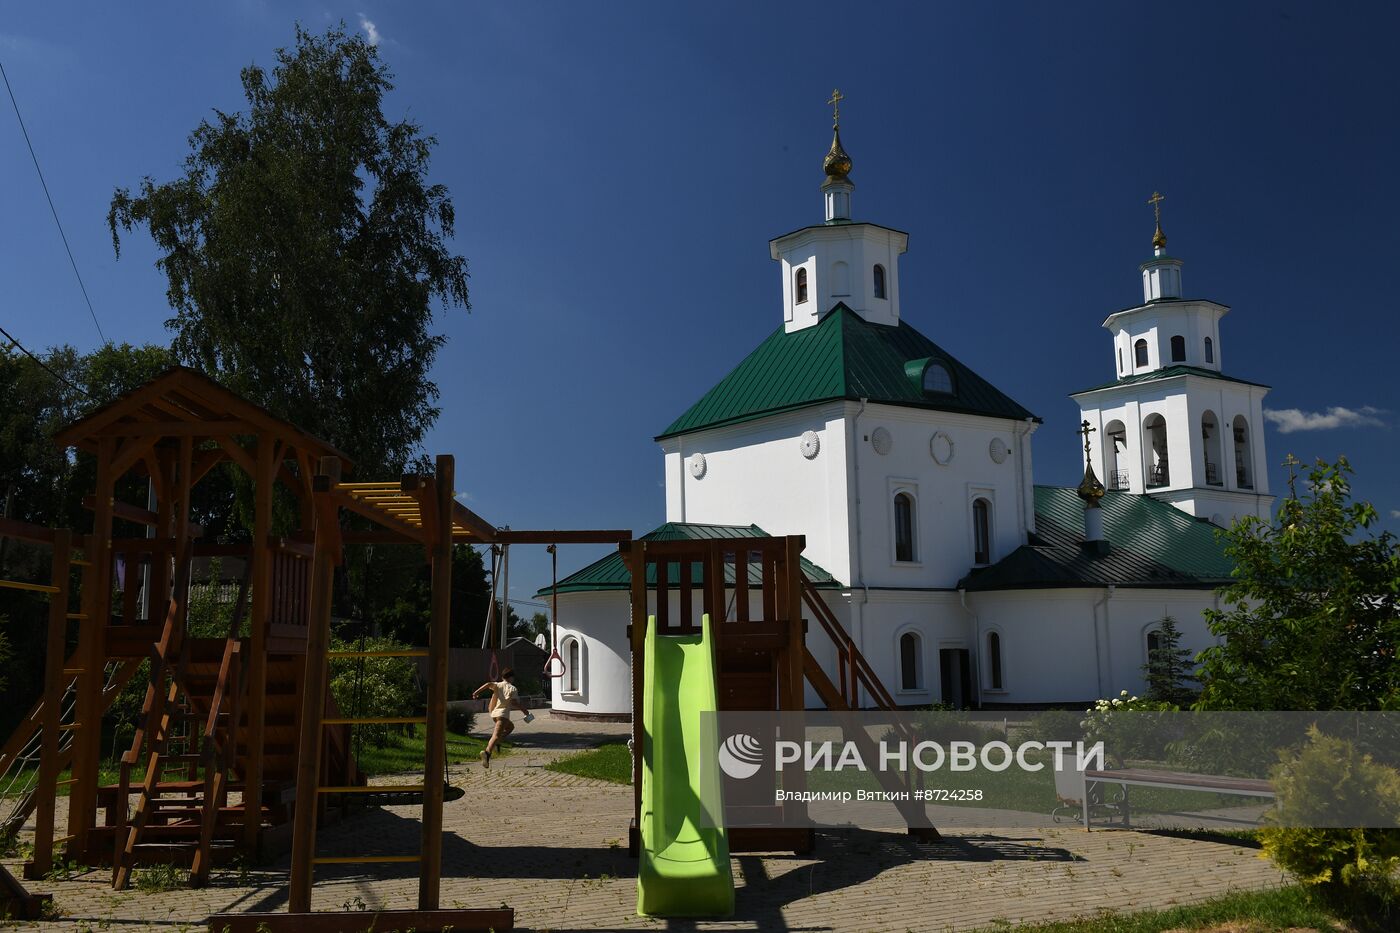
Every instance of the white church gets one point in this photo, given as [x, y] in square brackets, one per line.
[911, 476]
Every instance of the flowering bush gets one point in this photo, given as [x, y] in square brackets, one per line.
[1142, 735]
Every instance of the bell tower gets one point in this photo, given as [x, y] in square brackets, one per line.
[839, 261]
[1172, 424]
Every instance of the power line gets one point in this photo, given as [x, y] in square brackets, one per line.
[45, 366]
[53, 210]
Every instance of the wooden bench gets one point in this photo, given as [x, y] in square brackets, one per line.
[1173, 780]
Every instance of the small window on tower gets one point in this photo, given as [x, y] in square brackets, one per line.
[981, 532]
[1120, 359]
[1140, 353]
[1210, 350]
[937, 378]
[1178, 349]
[879, 281]
[904, 527]
[800, 286]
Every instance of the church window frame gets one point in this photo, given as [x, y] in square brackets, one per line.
[904, 525]
[799, 286]
[996, 660]
[1210, 350]
[1140, 354]
[909, 657]
[982, 526]
[1178, 349]
[573, 652]
[937, 379]
[880, 284]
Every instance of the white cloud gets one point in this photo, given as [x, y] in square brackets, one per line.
[1395, 513]
[1289, 420]
[371, 30]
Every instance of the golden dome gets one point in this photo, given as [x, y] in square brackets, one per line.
[837, 163]
[1090, 489]
[1159, 239]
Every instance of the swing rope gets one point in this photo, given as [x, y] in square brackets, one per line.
[498, 567]
[549, 669]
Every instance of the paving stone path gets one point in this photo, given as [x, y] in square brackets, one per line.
[553, 846]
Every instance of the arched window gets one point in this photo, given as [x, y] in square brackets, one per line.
[910, 662]
[879, 281]
[1115, 449]
[1140, 352]
[1154, 430]
[994, 660]
[1210, 350]
[904, 527]
[1210, 442]
[1178, 349]
[573, 656]
[982, 531]
[1154, 641]
[937, 378]
[799, 286]
[1244, 461]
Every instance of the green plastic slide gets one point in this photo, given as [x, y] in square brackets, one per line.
[684, 858]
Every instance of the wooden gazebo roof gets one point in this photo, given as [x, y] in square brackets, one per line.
[181, 402]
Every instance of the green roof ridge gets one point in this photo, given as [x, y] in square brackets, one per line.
[841, 357]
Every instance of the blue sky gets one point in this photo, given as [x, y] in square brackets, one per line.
[619, 167]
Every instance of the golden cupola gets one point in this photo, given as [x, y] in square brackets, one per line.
[836, 190]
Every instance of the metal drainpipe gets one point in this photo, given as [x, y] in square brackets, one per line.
[976, 641]
[858, 570]
[1098, 655]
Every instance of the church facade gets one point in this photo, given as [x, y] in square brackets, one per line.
[911, 477]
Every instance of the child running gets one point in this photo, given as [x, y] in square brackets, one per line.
[504, 698]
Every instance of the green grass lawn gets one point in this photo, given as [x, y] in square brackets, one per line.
[606, 763]
[1261, 911]
[405, 752]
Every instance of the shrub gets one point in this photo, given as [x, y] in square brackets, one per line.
[460, 720]
[1354, 867]
[374, 686]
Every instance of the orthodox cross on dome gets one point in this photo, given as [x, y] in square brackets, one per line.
[835, 102]
[1159, 239]
[1090, 489]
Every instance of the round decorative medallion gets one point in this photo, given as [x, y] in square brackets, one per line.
[811, 444]
[882, 441]
[697, 465]
[998, 450]
[940, 448]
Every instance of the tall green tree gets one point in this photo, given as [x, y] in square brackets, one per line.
[1168, 667]
[305, 250]
[1312, 620]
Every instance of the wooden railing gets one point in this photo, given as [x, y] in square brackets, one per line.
[852, 670]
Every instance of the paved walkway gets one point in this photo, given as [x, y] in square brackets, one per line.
[553, 846]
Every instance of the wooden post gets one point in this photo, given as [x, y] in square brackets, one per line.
[55, 652]
[92, 654]
[635, 555]
[259, 621]
[791, 581]
[313, 696]
[430, 854]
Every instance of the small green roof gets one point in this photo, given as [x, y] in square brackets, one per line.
[1152, 544]
[610, 573]
[1169, 372]
[841, 357]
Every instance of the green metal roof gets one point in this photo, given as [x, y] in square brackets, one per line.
[1169, 372]
[610, 573]
[841, 357]
[1151, 544]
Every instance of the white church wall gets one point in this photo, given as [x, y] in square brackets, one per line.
[1076, 645]
[599, 621]
[944, 490]
[759, 473]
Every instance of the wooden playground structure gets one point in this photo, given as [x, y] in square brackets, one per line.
[247, 714]
[754, 591]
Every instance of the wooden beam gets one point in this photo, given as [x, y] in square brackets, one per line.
[430, 864]
[313, 689]
[424, 921]
[238, 455]
[130, 453]
[132, 513]
[25, 531]
[54, 683]
[461, 515]
[384, 519]
[260, 612]
[205, 427]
